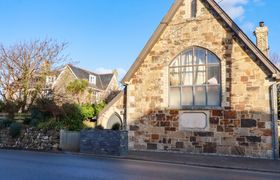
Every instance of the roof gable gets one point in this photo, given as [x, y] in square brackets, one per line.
[274, 71]
[102, 80]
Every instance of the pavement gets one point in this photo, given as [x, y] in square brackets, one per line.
[237, 163]
[26, 165]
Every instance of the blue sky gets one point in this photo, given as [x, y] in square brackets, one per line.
[109, 34]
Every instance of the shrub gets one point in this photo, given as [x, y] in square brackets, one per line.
[27, 121]
[11, 108]
[72, 118]
[51, 124]
[15, 130]
[116, 127]
[5, 123]
[87, 112]
[100, 127]
[2, 105]
[98, 107]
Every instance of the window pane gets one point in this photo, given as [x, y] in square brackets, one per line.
[212, 59]
[175, 62]
[213, 75]
[187, 76]
[187, 96]
[213, 95]
[200, 56]
[199, 75]
[174, 97]
[174, 76]
[187, 58]
[200, 96]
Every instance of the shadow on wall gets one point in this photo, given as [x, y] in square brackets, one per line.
[228, 133]
[115, 122]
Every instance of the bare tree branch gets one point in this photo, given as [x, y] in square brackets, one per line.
[24, 67]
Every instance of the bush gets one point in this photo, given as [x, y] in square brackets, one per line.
[100, 127]
[116, 127]
[5, 123]
[51, 124]
[72, 118]
[98, 108]
[87, 112]
[11, 108]
[2, 105]
[15, 130]
[27, 121]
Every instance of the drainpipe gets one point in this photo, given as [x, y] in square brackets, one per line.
[274, 117]
[125, 107]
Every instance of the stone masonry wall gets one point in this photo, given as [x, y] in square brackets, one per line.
[30, 139]
[116, 107]
[230, 133]
[241, 126]
[104, 142]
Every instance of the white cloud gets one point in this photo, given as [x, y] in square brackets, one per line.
[102, 70]
[235, 8]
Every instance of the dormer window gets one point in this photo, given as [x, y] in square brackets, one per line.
[50, 79]
[92, 79]
[193, 8]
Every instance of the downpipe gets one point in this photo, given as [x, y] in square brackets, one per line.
[274, 118]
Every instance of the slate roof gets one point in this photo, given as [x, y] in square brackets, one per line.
[102, 80]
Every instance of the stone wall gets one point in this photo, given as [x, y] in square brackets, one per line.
[30, 139]
[115, 106]
[230, 133]
[241, 126]
[104, 142]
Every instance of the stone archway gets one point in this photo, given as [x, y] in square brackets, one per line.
[114, 121]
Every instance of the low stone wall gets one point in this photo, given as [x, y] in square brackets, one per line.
[104, 142]
[30, 139]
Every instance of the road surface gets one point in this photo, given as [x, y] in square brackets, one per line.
[17, 165]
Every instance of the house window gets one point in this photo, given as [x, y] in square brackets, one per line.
[50, 79]
[193, 8]
[194, 79]
[92, 79]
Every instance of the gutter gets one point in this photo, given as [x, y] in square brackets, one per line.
[274, 120]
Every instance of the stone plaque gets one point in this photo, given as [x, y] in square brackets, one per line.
[193, 120]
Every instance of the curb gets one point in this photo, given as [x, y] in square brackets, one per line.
[150, 160]
[176, 163]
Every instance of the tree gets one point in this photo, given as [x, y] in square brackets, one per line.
[77, 87]
[24, 67]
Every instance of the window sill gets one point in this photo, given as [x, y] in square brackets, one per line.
[196, 108]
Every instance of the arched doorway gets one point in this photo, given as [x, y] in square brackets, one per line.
[114, 122]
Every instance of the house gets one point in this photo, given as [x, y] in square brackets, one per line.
[100, 86]
[200, 85]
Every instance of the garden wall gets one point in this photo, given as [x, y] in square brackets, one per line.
[30, 139]
[104, 142]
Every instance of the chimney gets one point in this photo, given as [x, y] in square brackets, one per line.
[261, 34]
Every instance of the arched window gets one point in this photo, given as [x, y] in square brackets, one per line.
[194, 79]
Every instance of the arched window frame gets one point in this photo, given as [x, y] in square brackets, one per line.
[206, 84]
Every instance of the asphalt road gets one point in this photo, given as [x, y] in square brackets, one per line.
[17, 165]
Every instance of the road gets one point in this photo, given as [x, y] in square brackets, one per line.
[17, 165]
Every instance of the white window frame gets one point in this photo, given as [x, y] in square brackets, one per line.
[206, 85]
[50, 79]
[92, 79]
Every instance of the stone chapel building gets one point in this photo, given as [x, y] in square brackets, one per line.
[200, 85]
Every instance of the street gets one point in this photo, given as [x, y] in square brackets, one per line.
[17, 165]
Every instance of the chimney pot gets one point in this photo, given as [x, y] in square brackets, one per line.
[261, 34]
